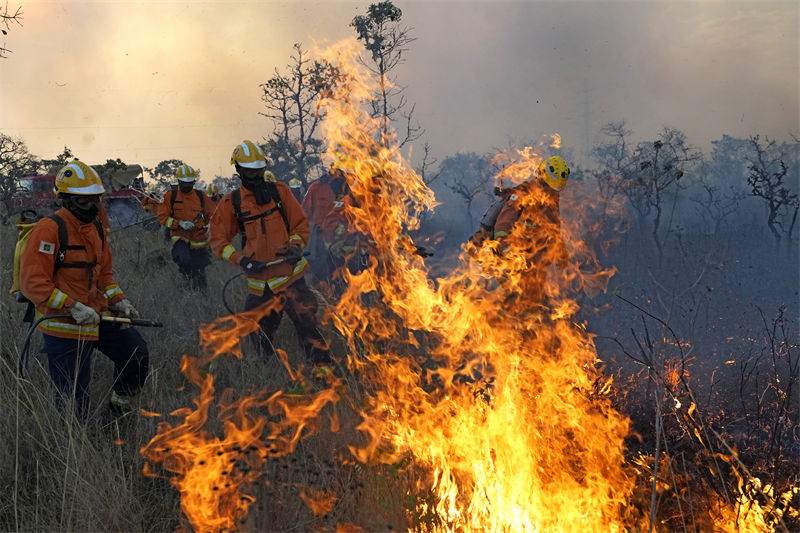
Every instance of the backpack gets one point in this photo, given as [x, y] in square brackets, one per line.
[25, 226]
[489, 218]
[241, 218]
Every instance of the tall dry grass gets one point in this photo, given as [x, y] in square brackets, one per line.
[60, 475]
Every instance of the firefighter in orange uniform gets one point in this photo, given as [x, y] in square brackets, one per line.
[344, 244]
[275, 232]
[212, 192]
[186, 212]
[151, 200]
[529, 222]
[78, 279]
[318, 201]
[327, 189]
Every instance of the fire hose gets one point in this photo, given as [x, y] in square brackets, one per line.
[143, 221]
[23, 356]
[225, 286]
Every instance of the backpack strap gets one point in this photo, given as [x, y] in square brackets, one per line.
[64, 245]
[276, 197]
[236, 200]
[202, 199]
[241, 218]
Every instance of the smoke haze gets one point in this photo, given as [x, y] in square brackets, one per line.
[152, 81]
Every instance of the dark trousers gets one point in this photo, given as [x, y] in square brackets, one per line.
[300, 304]
[70, 363]
[192, 262]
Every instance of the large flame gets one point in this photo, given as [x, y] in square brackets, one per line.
[493, 393]
[484, 379]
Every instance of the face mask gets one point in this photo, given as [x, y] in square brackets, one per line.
[185, 186]
[85, 208]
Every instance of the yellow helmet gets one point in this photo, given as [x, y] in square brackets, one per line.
[186, 173]
[554, 171]
[173, 181]
[294, 183]
[212, 189]
[369, 168]
[248, 154]
[344, 163]
[269, 176]
[78, 178]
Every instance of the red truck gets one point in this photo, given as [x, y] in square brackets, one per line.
[122, 197]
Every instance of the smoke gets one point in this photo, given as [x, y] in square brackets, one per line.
[152, 81]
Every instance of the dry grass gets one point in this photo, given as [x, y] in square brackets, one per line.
[58, 475]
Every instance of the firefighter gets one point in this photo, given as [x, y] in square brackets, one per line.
[327, 189]
[274, 233]
[212, 192]
[344, 244]
[186, 213]
[76, 277]
[529, 224]
[151, 199]
[320, 198]
[296, 187]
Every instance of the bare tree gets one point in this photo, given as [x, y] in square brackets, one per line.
[8, 19]
[291, 103]
[716, 204]
[616, 166]
[427, 162]
[469, 177]
[768, 171]
[387, 40]
[662, 164]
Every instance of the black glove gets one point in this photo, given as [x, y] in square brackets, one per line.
[251, 266]
[293, 255]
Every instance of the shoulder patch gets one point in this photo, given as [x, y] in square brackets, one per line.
[47, 247]
[513, 197]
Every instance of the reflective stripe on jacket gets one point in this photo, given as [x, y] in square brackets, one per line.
[187, 207]
[49, 292]
[267, 237]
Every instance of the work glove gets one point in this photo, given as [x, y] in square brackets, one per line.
[185, 224]
[124, 308]
[84, 314]
[293, 255]
[251, 266]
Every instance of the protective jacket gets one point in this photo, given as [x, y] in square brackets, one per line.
[187, 206]
[535, 210]
[267, 236]
[150, 205]
[321, 195]
[52, 290]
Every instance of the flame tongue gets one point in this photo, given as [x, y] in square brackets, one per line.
[474, 378]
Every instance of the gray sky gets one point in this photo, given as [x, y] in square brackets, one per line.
[148, 81]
